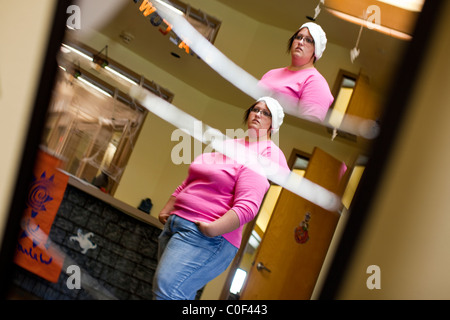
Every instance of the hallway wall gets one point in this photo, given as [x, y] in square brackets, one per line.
[407, 234]
[19, 74]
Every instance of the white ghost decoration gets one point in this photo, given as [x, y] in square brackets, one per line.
[83, 240]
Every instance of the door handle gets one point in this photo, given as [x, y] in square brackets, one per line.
[260, 266]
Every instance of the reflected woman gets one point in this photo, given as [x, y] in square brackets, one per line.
[204, 217]
[300, 84]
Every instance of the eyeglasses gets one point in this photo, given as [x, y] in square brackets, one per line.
[263, 112]
[308, 40]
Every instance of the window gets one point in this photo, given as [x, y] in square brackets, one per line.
[356, 102]
[343, 91]
[353, 182]
[91, 124]
[342, 100]
[207, 25]
[92, 132]
[238, 281]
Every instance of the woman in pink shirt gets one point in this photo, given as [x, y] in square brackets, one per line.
[203, 219]
[299, 86]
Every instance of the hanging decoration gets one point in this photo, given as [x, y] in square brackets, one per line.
[301, 234]
[354, 53]
[316, 11]
[335, 134]
[34, 251]
[149, 9]
[84, 241]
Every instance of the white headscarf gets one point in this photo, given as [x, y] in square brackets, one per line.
[276, 110]
[319, 36]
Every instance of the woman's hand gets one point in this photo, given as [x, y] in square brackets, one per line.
[166, 210]
[206, 229]
[225, 224]
[163, 216]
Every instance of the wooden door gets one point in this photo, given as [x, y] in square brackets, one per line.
[364, 103]
[284, 268]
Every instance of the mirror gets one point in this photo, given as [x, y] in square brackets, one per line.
[147, 51]
[253, 35]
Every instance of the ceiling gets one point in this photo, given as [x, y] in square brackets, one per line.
[287, 14]
[379, 53]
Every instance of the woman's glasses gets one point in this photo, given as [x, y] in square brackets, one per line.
[263, 112]
[306, 39]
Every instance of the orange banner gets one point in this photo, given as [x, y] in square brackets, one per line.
[34, 251]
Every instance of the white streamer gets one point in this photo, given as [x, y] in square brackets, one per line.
[208, 135]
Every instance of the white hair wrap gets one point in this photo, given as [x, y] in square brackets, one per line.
[319, 36]
[276, 110]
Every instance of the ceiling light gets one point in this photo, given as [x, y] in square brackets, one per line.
[98, 60]
[84, 55]
[362, 22]
[120, 75]
[93, 86]
[410, 5]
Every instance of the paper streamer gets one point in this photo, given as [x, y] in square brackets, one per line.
[208, 135]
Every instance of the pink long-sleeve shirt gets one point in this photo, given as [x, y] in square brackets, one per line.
[215, 184]
[308, 87]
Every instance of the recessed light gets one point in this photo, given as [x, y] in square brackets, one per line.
[411, 5]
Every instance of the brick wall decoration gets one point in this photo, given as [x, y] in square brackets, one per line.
[122, 264]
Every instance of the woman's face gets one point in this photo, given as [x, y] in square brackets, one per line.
[302, 48]
[259, 120]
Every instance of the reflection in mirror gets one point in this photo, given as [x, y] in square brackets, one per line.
[353, 181]
[92, 125]
[343, 91]
[101, 135]
[93, 132]
[254, 232]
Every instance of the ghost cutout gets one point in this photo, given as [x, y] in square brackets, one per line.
[83, 240]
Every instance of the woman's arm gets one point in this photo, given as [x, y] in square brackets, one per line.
[225, 224]
[166, 210]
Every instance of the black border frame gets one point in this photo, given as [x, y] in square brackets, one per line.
[32, 141]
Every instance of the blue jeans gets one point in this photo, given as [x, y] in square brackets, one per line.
[188, 260]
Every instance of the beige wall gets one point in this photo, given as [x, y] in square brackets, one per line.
[24, 34]
[408, 234]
